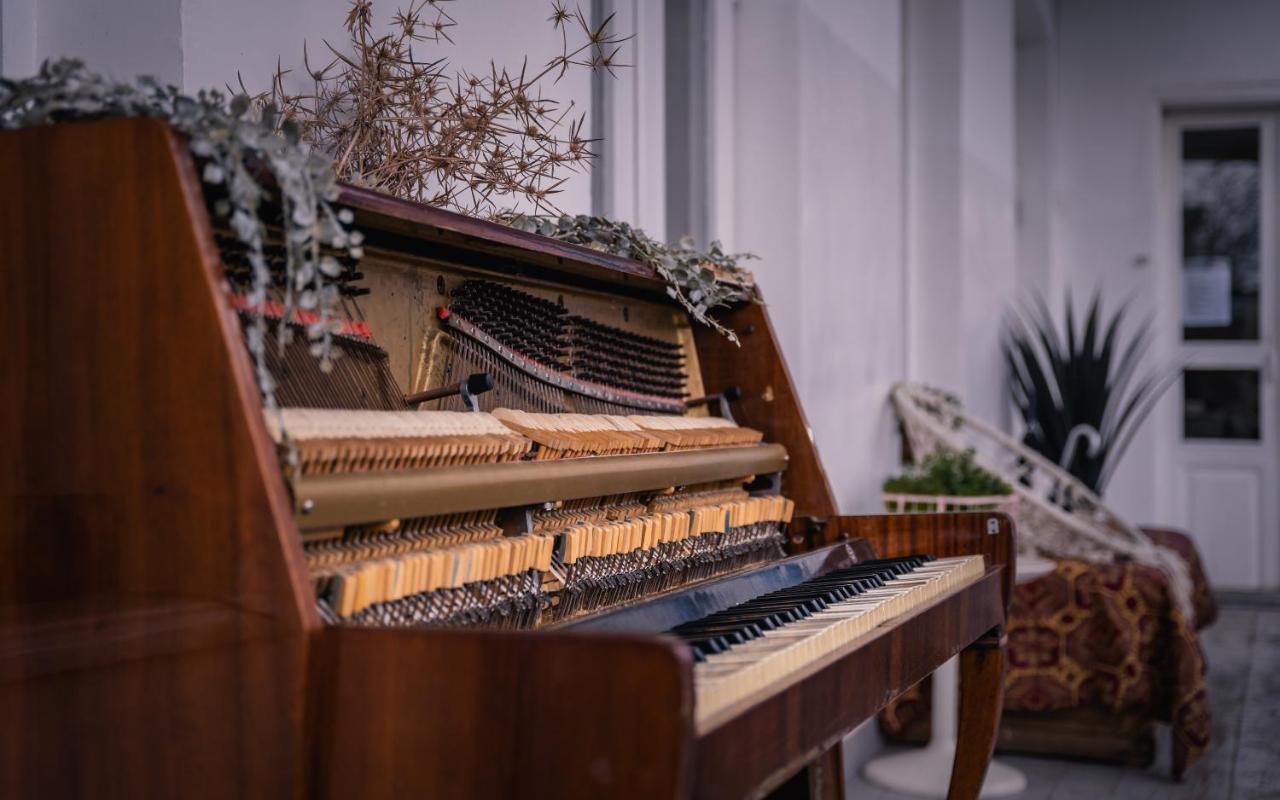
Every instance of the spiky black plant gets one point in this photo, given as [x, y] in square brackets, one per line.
[1084, 394]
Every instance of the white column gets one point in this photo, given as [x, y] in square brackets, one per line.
[632, 185]
[18, 38]
[933, 158]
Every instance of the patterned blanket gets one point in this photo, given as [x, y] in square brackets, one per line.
[1105, 636]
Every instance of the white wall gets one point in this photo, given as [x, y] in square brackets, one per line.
[1034, 81]
[875, 176]
[630, 174]
[961, 179]
[124, 38]
[988, 176]
[1116, 65]
[818, 195]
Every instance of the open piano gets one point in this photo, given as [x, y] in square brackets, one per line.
[535, 534]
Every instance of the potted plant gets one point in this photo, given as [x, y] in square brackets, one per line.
[947, 481]
[1081, 390]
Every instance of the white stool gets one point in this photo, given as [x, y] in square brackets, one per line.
[926, 772]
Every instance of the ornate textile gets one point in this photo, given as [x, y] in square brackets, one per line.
[1106, 636]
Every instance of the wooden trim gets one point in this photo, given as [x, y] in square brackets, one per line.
[337, 500]
[769, 403]
[981, 700]
[513, 249]
[139, 486]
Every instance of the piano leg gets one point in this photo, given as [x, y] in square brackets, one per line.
[826, 775]
[981, 701]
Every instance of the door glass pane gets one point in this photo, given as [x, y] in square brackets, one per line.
[1221, 404]
[1220, 224]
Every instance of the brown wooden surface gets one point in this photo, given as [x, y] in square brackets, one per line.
[150, 612]
[757, 750]
[508, 250]
[981, 699]
[769, 402]
[940, 535]
[826, 775]
[486, 714]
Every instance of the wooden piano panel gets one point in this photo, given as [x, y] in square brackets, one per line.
[434, 713]
[153, 603]
[989, 534]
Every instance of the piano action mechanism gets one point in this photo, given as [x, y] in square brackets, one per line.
[512, 544]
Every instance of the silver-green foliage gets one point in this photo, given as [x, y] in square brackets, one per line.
[700, 280]
[240, 152]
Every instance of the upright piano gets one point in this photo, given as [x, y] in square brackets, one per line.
[534, 534]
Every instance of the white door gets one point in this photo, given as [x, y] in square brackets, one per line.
[1221, 189]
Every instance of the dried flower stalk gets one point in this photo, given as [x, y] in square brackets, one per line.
[418, 129]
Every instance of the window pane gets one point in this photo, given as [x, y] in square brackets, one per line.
[1220, 213]
[1221, 404]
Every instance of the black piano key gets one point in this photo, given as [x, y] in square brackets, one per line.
[710, 645]
[745, 633]
[748, 620]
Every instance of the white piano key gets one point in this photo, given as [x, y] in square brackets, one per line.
[765, 662]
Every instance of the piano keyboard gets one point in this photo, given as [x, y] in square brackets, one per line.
[749, 647]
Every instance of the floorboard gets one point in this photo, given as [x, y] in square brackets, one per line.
[1243, 762]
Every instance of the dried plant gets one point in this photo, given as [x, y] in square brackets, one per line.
[241, 155]
[700, 280]
[414, 127]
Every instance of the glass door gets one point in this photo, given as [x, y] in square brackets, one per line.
[1222, 187]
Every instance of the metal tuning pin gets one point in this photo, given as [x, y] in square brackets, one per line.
[476, 384]
[721, 401]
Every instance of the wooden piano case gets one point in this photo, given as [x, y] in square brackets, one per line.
[158, 636]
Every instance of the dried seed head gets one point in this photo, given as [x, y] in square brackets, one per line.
[408, 124]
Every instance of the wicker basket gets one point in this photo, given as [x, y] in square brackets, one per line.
[1057, 516]
[902, 503]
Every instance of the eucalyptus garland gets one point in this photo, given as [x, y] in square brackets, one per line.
[700, 280]
[240, 155]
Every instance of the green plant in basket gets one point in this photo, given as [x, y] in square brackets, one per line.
[945, 474]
